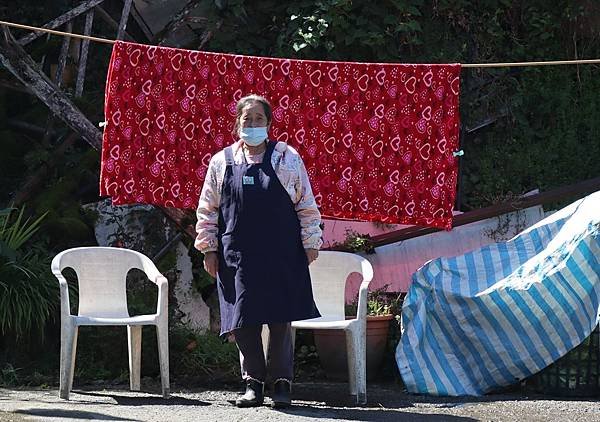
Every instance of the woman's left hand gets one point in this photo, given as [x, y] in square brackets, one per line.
[311, 255]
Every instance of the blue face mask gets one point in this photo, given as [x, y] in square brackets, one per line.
[253, 136]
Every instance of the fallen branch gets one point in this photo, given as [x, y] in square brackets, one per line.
[22, 66]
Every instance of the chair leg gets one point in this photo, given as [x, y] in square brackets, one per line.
[75, 335]
[294, 339]
[134, 340]
[265, 335]
[162, 334]
[351, 353]
[357, 365]
[68, 347]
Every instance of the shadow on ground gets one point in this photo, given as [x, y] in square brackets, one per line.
[71, 414]
[392, 396]
[173, 400]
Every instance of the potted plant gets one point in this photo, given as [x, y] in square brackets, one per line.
[331, 344]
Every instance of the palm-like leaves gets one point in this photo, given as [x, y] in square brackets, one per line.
[28, 293]
[15, 234]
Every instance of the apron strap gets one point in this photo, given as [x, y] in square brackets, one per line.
[269, 152]
[228, 156]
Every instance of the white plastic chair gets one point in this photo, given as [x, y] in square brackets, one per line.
[101, 274]
[329, 273]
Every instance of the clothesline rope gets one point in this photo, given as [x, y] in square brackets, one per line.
[464, 65]
[52, 31]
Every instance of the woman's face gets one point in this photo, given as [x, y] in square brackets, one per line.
[253, 115]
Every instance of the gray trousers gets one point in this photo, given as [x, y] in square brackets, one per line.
[281, 352]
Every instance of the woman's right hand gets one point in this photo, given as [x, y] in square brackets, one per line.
[211, 263]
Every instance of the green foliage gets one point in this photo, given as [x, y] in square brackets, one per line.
[544, 120]
[307, 366]
[555, 144]
[205, 358]
[12, 376]
[356, 242]
[29, 292]
[203, 355]
[9, 376]
[327, 29]
[102, 352]
[13, 234]
[346, 29]
[379, 302]
[142, 294]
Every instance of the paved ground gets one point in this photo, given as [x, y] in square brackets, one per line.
[313, 401]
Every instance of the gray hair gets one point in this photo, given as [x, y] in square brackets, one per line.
[248, 99]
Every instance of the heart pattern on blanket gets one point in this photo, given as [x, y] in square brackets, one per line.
[377, 138]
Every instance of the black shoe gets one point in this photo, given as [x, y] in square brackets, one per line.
[281, 394]
[254, 395]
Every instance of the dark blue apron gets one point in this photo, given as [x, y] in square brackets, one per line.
[263, 272]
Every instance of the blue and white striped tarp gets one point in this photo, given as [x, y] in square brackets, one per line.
[496, 315]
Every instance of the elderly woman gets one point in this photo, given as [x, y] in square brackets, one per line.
[258, 227]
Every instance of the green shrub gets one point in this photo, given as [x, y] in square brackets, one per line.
[205, 356]
[9, 376]
[29, 293]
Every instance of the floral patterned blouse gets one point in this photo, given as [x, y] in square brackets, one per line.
[291, 173]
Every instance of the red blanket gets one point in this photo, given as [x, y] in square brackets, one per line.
[377, 139]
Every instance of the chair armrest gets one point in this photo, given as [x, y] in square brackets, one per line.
[163, 294]
[65, 305]
[160, 280]
[363, 291]
[151, 271]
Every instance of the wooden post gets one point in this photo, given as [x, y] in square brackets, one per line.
[106, 17]
[61, 20]
[124, 18]
[58, 79]
[62, 58]
[83, 55]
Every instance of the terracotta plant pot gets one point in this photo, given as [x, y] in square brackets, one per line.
[331, 347]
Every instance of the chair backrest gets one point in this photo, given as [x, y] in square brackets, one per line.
[329, 273]
[101, 275]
